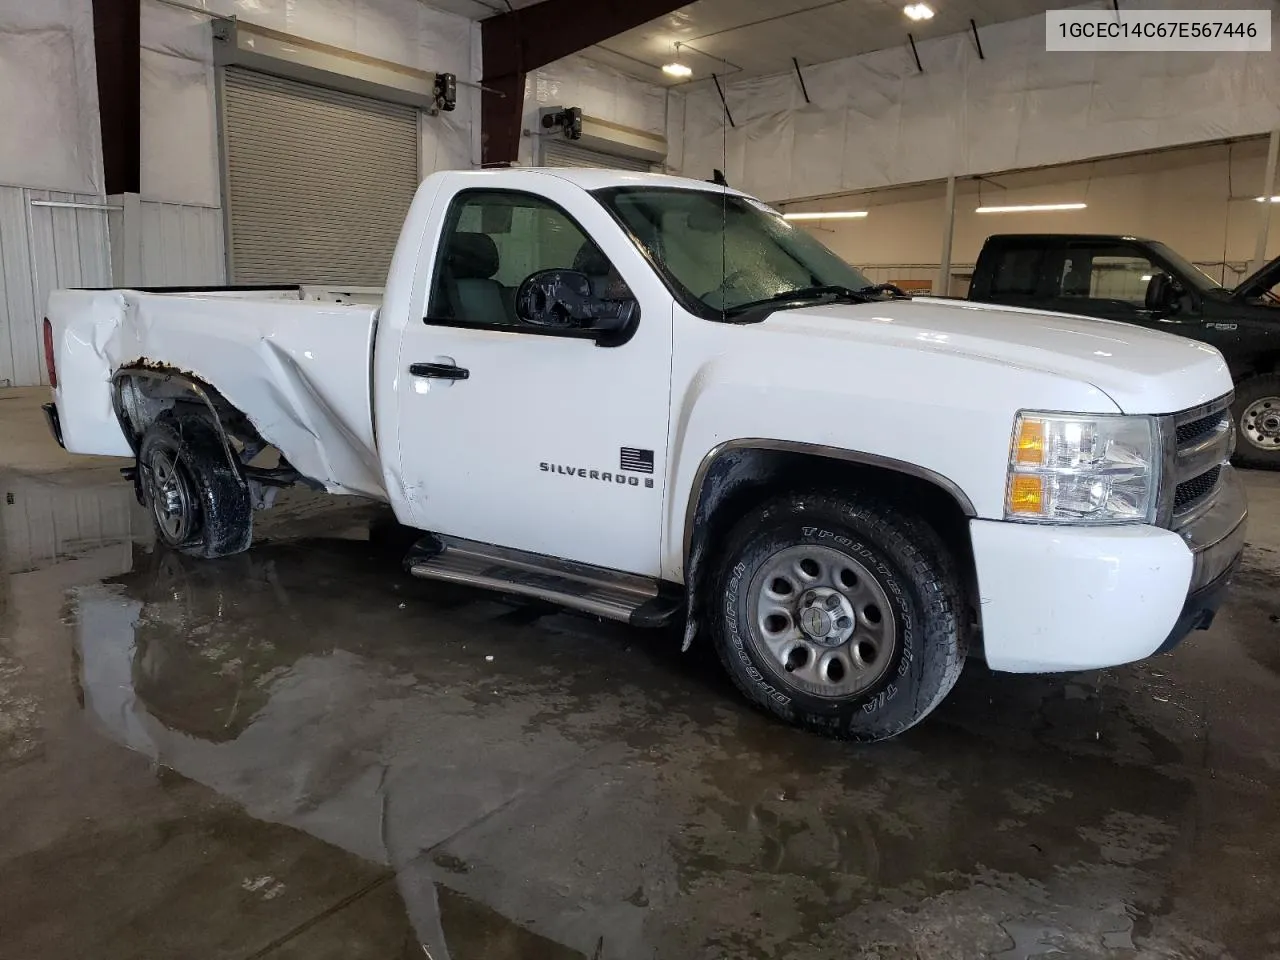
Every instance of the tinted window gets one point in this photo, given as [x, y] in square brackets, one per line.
[494, 240]
[1017, 271]
[1106, 273]
[1187, 271]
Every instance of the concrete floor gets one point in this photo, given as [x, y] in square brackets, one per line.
[301, 752]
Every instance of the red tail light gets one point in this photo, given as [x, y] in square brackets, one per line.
[50, 363]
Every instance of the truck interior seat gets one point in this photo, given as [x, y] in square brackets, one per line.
[606, 282]
[1077, 281]
[469, 269]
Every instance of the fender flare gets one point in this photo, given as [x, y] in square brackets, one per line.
[694, 547]
[202, 392]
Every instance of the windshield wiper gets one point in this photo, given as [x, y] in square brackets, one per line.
[836, 292]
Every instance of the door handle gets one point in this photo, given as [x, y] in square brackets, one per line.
[439, 371]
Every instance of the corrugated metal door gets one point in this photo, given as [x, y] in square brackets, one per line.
[318, 181]
[566, 153]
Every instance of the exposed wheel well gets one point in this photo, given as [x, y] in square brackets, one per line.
[141, 394]
[740, 478]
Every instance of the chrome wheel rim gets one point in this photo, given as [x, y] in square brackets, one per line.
[1260, 423]
[169, 496]
[823, 620]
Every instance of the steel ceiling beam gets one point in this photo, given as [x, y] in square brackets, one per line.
[520, 41]
[117, 44]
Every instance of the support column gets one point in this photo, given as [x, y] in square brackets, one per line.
[1268, 191]
[519, 42]
[942, 286]
[117, 45]
[125, 226]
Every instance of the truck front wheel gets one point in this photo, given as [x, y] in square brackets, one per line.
[196, 500]
[1257, 414]
[839, 613]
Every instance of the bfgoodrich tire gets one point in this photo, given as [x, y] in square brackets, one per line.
[197, 501]
[1256, 411]
[839, 613]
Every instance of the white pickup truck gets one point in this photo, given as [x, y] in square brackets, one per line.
[656, 401]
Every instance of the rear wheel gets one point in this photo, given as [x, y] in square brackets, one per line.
[197, 501]
[840, 614]
[1257, 415]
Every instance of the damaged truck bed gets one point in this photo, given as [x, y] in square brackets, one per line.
[293, 360]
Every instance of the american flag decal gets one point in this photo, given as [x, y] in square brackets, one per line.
[636, 460]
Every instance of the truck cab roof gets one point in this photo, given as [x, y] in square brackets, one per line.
[592, 178]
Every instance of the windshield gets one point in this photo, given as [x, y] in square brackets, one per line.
[1193, 274]
[719, 252]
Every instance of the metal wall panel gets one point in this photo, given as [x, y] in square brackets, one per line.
[181, 245]
[19, 362]
[318, 182]
[41, 249]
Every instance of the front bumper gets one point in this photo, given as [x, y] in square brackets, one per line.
[1216, 540]
[1058, 598]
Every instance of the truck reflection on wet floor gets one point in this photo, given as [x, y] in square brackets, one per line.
[524, 783]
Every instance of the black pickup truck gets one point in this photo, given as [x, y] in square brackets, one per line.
[1145, 282]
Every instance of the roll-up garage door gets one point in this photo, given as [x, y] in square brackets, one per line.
[566, 153]
[318, 181]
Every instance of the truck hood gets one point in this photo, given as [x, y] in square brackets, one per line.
[1261, 280]
[1143, 371]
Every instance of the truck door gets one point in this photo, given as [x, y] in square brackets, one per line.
[522, 436]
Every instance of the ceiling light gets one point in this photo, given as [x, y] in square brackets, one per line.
[1264, 199]
[918, 11]
[677, 69]
[827, 215]
[1031, 208]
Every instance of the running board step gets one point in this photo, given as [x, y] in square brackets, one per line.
[603, 593]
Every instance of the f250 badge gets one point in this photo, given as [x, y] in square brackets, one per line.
[631, 461]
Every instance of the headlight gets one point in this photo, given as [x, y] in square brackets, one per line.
[1075, 469]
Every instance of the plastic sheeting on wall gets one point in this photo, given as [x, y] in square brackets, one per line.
[49, 96]
[179, 134]
[599, 90]
[179, 129]
[875, 120]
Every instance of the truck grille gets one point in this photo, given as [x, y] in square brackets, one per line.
[1196, 489]
[1195, 429]
[1199, 442]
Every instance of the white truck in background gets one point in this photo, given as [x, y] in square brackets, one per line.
[656, 401]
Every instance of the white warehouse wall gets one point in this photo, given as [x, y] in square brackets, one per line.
[51, 147]
[875, 120]
[599, 90]
[179, 126]
[181, 173]
[1198, 200]
[50, 150]
[49, 97]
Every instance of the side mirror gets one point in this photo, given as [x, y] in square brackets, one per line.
[564, 300]
[1164, 294]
